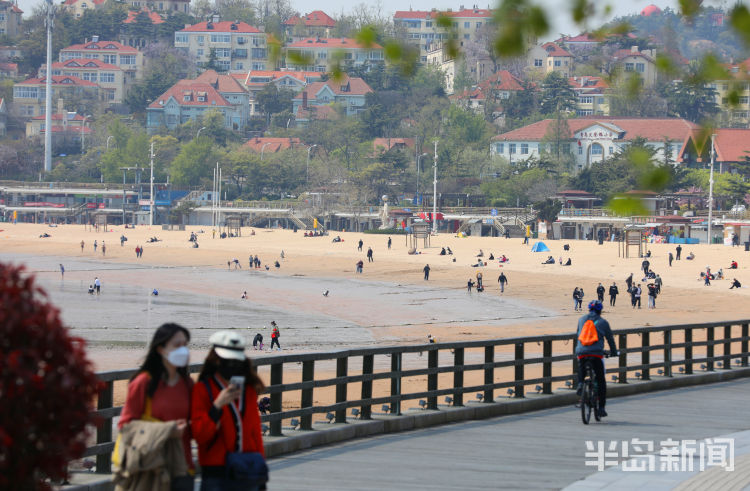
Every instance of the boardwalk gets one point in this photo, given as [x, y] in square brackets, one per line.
[544, 449]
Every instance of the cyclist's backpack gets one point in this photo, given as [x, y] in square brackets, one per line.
[588, 334]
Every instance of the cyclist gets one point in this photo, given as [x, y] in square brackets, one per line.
[590, 348]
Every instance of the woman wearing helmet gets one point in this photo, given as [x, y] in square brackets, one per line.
[589, 348]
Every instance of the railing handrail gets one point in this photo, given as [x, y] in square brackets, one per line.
[518, 361]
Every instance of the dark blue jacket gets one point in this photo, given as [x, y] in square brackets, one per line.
[602, 329]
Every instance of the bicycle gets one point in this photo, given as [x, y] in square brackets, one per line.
[590, 392]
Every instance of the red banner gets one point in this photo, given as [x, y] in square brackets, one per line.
[94, 205]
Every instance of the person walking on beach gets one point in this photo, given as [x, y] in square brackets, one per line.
[369, 255]
[360, 265]
[275, 336]
[389, 243]
[600, 292]
[575, 299]
[97, 285]
[629, 281]
[82, 244]
[479, 280]
[658, 283]
[359, 246]
[678, 250]
[104, 249]
[613, 292]
[95, 245]
[469, 284]
[651, 296]
[644, 266]
[638, 291]
[503, 280]
[671, 258]
[426, 270]
[62, 271]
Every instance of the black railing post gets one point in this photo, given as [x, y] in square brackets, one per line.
[396, 382]
[458, 376]
[688, 351]
[277, 370]
[342, 368]
[104, 431]
[667, 353]
[308, 375]
[518, 390]
[368, 364]
[727, 360]
[432, 378]
[744, 344]
[547, 367]
[489, 373]
[575, 363]
[645, 355]
[710, 336]
[622, 344]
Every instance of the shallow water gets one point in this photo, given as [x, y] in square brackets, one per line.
[207, 299]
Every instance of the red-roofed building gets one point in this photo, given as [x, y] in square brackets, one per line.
[29, 95]
[633, 61]
[132, 32]
[319, 54]
[189, 99]
[264, 145]
[592, 140]
[420, 28]
[66, 126]
[10, 19]
[558, 60]
[257, 80]
[238, 46]
[496, 88]
[78, 7]
[382, 145]
[349, 93]
[9, 70]
[315, 24]
[590, 92]
[110, 78]
[731, 145]
[166, 6]
[129, 59]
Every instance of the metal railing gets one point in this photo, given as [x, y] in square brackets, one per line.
[513, 364]
[586, 212]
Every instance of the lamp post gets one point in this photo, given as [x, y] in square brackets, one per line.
[307, 168]
[83, 128]
[263, 148]
[48, 94]
[711, 190]
[199, 132]
[434, 192]
[110, 136]
[418, 158]
[151, 195]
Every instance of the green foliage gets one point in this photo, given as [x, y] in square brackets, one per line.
[194, 162]
[164, 67]
[557, 94]
[548, 209]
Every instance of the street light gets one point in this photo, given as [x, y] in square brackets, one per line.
[110, 136]
[263, 148]
[199, 132]
[711, 190]
[307, 169]
[83, 127]
[418, 158]
[48, 93]
[434, 193]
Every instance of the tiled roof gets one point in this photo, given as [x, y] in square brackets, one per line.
[316, 112]
[355, 86]
[59, 80]
[621, 54]
[587, 82]
[581, 38]
[272, 75]
[338, 43]
[732, 144]
[424, 14]
[316, 18]
[85, 64]
[653, 129]
[9, 66]
[268, 144]
[59, 117]
[223, 26]
[554, 50]
[70, 129]
[152, 16]
[223, 83]
[502, 80]
[195, 89]
[101, 45]
[13, 7]
[388, 143]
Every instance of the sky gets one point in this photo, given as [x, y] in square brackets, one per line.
[561, 24]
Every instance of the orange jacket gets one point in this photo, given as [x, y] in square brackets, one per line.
[215, 431]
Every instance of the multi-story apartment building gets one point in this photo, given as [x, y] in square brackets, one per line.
[67, 126]
[633, 61]
[315, 24]
[486, 98]
[350, 93]
[420, 27]
[29, 95]
[236, 45]
[591, 95]
[190, 99]
[320, 54]
[129, 59]
[734, 116]
[558, 60]
[257, 80]
[110, 78]
[10, 19]
[78, 7]
[163, 5]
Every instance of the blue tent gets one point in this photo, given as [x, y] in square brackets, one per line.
[540, 247]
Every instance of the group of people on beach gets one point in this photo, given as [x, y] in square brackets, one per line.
[165, 410]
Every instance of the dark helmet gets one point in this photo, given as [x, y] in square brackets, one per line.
[596, 306]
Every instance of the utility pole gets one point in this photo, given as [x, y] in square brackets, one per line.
[711, 190]
[48, 94]
[151, 195]
[434, 192]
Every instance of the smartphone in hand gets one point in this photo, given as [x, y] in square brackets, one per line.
[238, 381]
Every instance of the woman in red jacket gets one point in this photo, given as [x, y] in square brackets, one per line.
[225, 417]
[161, 390]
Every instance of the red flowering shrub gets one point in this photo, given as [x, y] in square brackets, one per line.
[47, 386]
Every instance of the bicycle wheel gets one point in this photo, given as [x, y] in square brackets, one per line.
[586, 397]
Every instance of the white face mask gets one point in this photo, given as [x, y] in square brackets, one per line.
[179, 357]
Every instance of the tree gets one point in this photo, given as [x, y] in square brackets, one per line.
[557, 95]
[547, 212]
[194, 162]
[462, 79]
[164, 67]
[691, 99]
[273, 100]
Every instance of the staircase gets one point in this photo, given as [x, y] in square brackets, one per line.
[191, 196]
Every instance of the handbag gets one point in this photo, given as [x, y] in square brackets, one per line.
[247, 466]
